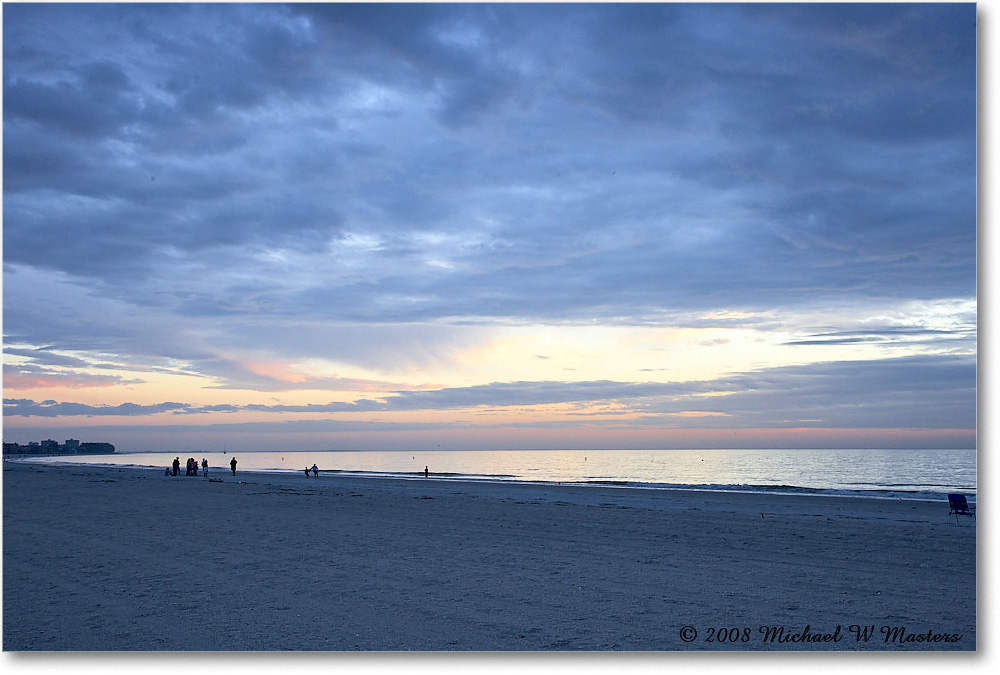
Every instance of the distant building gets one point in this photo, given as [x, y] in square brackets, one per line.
[51, 447]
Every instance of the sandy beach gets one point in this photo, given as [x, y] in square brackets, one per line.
[103, 559]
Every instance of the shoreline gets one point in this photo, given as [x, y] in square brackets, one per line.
[276, 562]
[458, 478]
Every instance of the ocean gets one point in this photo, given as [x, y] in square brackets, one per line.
[899, 474]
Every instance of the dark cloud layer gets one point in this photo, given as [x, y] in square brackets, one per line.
[644, 156]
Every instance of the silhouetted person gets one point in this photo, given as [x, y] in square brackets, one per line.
[307, 471]
[315, 470]
[426, 472]
[204, 466]
[232, 465]
[177, 465]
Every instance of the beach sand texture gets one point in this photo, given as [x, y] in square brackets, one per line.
[127, 559]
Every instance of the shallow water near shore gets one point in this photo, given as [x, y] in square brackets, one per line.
[899, 473]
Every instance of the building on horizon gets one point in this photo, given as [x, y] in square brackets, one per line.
[72, 446]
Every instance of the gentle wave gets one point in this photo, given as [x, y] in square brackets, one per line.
[914, 493]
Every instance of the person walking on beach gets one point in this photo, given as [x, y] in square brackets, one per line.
[426, 472]
[315, 470]
[204, 467]
[232, 465]
[177, 465]
[307, 471]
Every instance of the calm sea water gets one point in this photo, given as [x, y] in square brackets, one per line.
[917, 474]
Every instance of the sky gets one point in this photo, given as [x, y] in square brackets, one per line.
[490, 226]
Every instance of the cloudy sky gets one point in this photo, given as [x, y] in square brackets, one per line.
[490, 226]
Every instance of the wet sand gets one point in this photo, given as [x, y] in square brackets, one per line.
[104, 559]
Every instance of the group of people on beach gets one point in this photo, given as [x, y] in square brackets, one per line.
[192, 467]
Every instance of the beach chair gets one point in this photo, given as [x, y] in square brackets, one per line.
[960, 507]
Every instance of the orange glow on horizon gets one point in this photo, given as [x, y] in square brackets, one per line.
[276, 370]
[19, 382]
